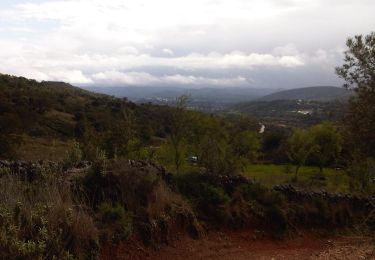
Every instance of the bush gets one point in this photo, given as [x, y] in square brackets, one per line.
[73, 156]
[117, 220]
[267, 206]
[41, 222]
[276, 221]
[137, 192]
[262, 195]
[209, 199]
[362, 174]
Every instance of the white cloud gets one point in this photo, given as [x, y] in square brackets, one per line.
[168, 51]
[129, 78]
[117, 78]
[288, 49]
[203, 81]
[211, 41]
[72, 76]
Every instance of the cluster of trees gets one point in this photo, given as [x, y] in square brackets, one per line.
[320, 144]
[225, 146]
[220, 146]
[117, 128]
[53, 110]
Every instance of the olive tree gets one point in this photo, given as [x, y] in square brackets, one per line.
[179, 131]
[326, 144]
[299, 148]
[358, 71]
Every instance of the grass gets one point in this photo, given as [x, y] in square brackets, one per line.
[271, 175]
[36, 148]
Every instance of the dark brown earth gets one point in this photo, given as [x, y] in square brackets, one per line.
[245, 245]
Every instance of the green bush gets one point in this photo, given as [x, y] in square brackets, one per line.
[268, 207]
[209, 199]
[262, 195]
[73, 156]
[117, 220]
[41, 222]
[362, 174]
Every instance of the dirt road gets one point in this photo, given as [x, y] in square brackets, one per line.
[244, 245]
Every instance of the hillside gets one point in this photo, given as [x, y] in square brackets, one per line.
[298, 107]
[292, 112]
[44, 118]
[321, 93]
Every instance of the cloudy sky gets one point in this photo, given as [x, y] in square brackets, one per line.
[252, 43]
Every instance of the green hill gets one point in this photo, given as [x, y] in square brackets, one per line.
[321, 93]
[44, 118]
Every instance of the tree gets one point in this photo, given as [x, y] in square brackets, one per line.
[213, 148]
[327, 144]
[246, 145]
[179, 131]
[358, 71]
[299, 148]
[116, 140]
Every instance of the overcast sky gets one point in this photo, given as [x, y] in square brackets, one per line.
[254, 43]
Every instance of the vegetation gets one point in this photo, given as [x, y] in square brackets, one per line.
[358, 71]
[319, 93]
[42, 220]
[308, 177]
[327, 144]
[108, 184]
[293, 113]
[300, 146]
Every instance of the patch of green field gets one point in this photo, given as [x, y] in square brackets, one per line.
[308, 177]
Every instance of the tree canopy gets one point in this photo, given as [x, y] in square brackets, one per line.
[358, 71]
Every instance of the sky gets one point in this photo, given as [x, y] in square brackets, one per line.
[191, 43]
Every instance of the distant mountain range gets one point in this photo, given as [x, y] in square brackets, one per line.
[224, 95]
[321, 93]
[218, 99]
[212, 95]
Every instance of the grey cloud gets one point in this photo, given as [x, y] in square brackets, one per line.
[269, 43]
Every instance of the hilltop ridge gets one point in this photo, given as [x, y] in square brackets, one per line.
[318, 93]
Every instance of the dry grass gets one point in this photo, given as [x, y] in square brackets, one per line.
[34, 149]
[41, 220]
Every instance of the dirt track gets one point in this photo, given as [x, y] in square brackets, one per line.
[243, 245]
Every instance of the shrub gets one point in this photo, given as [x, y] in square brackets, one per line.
[267, 206]
[209, 199]
[276, 221]
[41, 222]
[117, 220]
[362, 174]
[141, 193]
[73, 156]
[262, 195]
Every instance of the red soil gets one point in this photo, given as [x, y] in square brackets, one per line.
[244, 245]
